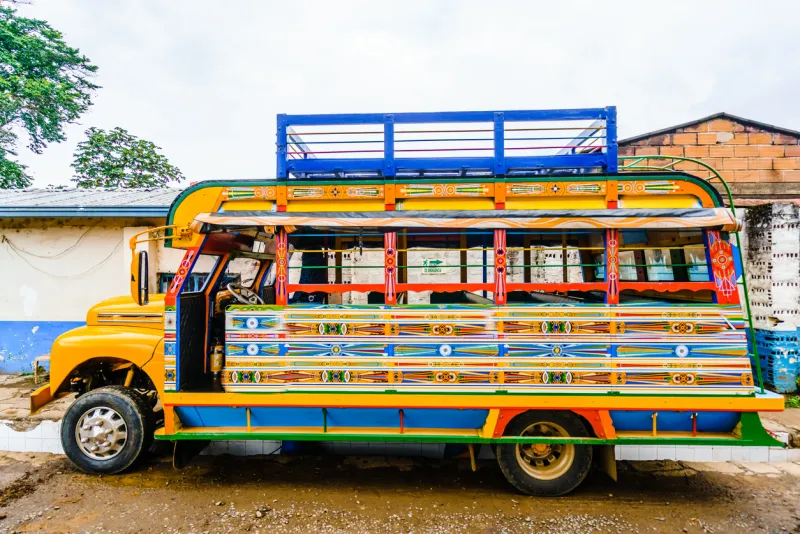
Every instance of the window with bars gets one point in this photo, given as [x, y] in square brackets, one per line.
[453, 266]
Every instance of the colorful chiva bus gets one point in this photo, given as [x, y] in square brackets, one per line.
[531, 298]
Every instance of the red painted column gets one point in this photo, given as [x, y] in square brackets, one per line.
[281, 267]
[180, 277]
[390, 267]
[500, 267]
[612, 266]
[720, 258]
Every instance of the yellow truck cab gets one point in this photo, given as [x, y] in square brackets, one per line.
[475, 278]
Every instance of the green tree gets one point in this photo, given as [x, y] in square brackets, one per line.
[44, 85]
[116, 158]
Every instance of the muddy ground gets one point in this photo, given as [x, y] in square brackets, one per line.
[44, 493]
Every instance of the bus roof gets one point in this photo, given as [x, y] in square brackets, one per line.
[636, 192]
[716, 218]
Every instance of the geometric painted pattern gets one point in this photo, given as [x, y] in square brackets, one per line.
[170, 347]
[526, 349]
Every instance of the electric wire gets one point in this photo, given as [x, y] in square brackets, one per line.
[87, 271]
[54, 256]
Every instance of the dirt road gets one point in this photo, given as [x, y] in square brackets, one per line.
[43, 493]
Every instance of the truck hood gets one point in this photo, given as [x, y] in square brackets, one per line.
[124, 311]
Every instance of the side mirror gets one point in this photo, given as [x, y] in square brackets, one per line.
[140, 278]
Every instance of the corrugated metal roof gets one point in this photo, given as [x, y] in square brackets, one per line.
[99, 202]
[88, 197]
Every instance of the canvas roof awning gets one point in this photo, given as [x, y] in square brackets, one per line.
[716, 218]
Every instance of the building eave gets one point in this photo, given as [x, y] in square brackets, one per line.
[14, 212]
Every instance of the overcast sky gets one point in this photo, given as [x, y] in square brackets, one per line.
[204, 80]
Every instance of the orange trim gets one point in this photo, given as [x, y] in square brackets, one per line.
[558, 286]
[336, 288]
[476, 286]
[280, 200]
[170, 419]
[389, 196]
[500, 194]
[612, 193]
[504, 418]
[667, 286]
[211, 303]
[601, 423]
[600, 420]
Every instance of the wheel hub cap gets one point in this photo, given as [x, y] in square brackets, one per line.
[545, 461]
[101, 433]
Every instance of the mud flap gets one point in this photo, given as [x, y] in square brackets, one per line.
[40, 397]
[186, 450]
[606, 460]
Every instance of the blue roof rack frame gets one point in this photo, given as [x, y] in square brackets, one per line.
[419, 145]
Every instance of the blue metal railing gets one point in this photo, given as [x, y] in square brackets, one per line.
[470, 143]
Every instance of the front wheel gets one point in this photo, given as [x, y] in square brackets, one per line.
[545, 469]
[105, 430]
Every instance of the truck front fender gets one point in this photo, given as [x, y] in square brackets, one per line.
[80, 346]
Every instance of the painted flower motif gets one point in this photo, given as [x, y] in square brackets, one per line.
[446, 377]
[683, 379]
[682, 328]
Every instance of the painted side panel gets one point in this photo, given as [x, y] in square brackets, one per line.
[683, 350]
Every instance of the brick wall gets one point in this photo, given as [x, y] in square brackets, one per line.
[756, 163]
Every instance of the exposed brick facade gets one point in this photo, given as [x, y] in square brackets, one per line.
[757, 162]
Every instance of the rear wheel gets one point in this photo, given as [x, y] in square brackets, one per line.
[545, 469]
[105, 430]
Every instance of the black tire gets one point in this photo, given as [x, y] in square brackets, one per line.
[564, 466]
[117, 406]
[150, 418]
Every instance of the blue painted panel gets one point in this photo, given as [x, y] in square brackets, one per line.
[189, 415]
[737, 261]
[285, 416]
[444, 418]
[676, 421]
[364, 417]
[22, 341]
[337, 417]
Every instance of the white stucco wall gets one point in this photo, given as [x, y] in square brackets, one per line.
[55, 271]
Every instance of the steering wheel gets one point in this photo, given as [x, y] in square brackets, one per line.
[244, 295]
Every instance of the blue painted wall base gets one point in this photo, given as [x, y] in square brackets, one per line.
[22, 341]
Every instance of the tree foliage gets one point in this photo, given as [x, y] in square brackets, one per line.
[116, 158]
[44, 85]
